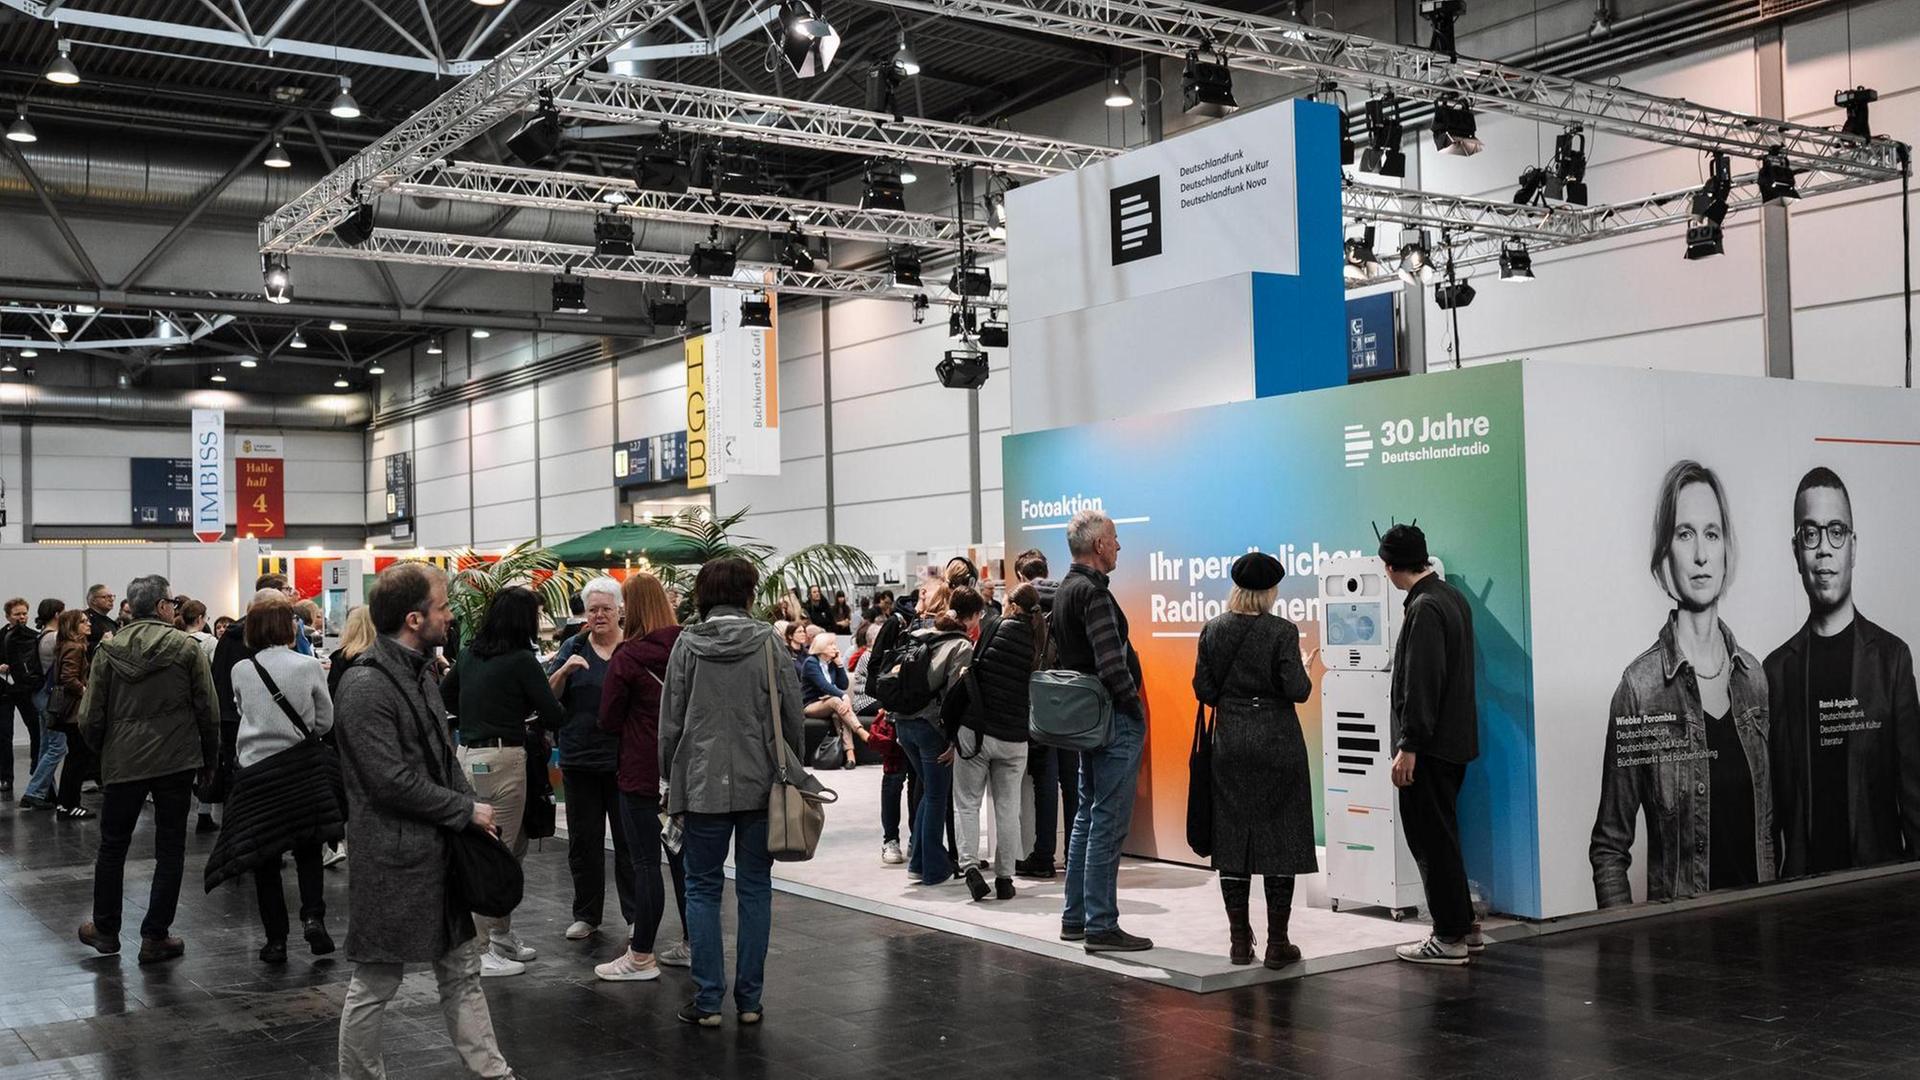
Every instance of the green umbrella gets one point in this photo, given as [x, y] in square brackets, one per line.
[620, 545]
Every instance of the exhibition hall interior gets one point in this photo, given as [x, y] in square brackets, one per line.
[839, 538]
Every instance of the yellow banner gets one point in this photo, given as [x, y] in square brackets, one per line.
[698, 477]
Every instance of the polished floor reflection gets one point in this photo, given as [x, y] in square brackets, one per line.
[1819, 984]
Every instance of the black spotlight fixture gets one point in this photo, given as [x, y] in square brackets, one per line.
[539, 138]
[962, 369]
[756, 311]
[1568, 181]
[276, 279]
[905, 263]
[993, 333]
[612, 235]
[1708, 209]
[569, 296]
[712, 259]
[1384, 155]
[659, 165]
[883, 189]
[920, 306]
[1329, 92]
[794, 254]
[1454, 129]
[1516, 263]
[1416, 258]
[668, 310]
[1776, 177]
[970, 280]
[1855, 101]
[805, 38]
[962, 322]
[1454, 294]
[1206, 83]
[1443, 14]
[357, 227]
[1361, 262]
[1533, 180]
[883, 88]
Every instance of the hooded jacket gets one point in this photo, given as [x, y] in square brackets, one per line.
[716, 712]
[149, 709]
[630, 707]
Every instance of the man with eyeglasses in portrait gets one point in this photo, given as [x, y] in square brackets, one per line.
[1846, 719]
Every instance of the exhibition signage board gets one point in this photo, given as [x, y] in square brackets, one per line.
[209, 505]
[1306, 477]
[653, 460]
[261, 502]
[733, 420]
[162, 490]
[1372, 344]
[399, 486]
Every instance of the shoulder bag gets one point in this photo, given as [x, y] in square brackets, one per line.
[1200, 768]
[324, 763]
[796, 801]
[483, 877]
[1070, 710]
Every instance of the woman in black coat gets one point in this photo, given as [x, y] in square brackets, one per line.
[1251, 672]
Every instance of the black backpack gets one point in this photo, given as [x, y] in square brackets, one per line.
[886, 641]
[905, 686]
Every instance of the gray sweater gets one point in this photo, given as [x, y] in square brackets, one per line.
[264, 727]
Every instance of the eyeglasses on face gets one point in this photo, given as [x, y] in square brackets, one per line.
[1837, 533]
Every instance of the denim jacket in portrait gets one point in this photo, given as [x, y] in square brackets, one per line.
[1657, 760]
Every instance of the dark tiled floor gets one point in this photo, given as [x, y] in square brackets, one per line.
[1814, 985]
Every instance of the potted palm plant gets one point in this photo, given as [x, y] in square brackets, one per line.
[709, 537]
[528, 563]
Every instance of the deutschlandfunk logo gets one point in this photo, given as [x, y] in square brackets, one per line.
[1407, 440]
[1134, 216]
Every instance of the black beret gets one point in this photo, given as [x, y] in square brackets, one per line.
[1256, 571]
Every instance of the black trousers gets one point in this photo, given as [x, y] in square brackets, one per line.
[119, 813]
[14, 702]
[1428, 816]
[273, 902]
[593, 807]
[640, 816]
[79, 763]
[1055, 774]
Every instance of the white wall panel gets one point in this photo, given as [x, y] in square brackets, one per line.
[441, 496]
[440, 460]
[563, 517]
[503, 484]
[588, 428]
[905, 524]
[878, 364]
[502, 446]
[450, 530]
[585, 470]
[503, 524]
[503, 411]
[913, 414]
[934, 466]
[799, 327]
[1857, 342]
[803, 432]
[801, 484]
[575, 391]
[800, 384]
[653, 414]
[328, 508]
[443, 426]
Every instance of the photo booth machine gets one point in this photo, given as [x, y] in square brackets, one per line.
[1368, 864]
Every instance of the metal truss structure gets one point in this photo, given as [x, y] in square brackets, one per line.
[542, 189]
[1276, 46]
[661, 268]
[704, 110]
[103, 330]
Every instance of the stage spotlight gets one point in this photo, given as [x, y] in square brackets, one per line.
[1206, 84]
[795, 256]
[357, 227]
[712, 260]
[962, 322]
[1384, 155]
[1708, 209]
[1416, 258]
[993, 335]
[1454, 130]
[1776, 177]
[659, 166]
[1855, 101]
[883, 190]
[756, 313]
[1361, 262]
[1443, 14]
[962, 369]
[1516, 264]
[806, 39]
[1532, 179]
[970, 280]
[1456, 295]
[905, 263]
[667, 311]
[1568, 181]
[569, 296]
[539, 138]
[612, 235]
[883, 89]
[276, 278]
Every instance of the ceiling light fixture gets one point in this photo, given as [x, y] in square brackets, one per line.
[905, 264]
[20, 130]
[882, 189]
[1708, 209]
[1118, 96]
[1206, 83]
[357, 227]
[86, 309]
[805, 38]
[667, 311]
[1454, 129]
[907, 175]
[962, 369]
[1383, 155]
[435, 346]
[1855, 101]
[276, 279]
[756, 313]
[1443, 14]
[217, 376]
[277, 157]
[28, 354]
[1568, 181]
[539, 138]
[1776, 178]
[297, 341]
[1416, 258]
[336, 325]
[58, 326]
[1533, 180]
[376, 368]
[903, 59]
[795, 256]
[1361, 262]
[480, 333]
[1454, 294]
[249, 362]
[612, 235]
[60, 69]
[9, 367]
[1516, 263]
[341, 383]
[569, 296]
[343, 106]
[660, 166]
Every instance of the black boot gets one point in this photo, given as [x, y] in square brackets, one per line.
[1235, 891]
[1280, 951]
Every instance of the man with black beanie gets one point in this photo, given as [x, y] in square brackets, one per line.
[1436, 733]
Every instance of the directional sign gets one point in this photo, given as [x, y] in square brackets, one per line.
[261, 505]
[209, 475]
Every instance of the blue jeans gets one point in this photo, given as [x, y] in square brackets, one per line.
[53, 747]
[704, 847]
[1107, 780]
[925, 743]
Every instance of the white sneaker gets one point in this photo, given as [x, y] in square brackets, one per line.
[628, 968]
[507, 945]
[675, 955]
[580, 931]
[334, 856]
[890, 853]
[1476, 941]
[495, 966]
[1434, 951]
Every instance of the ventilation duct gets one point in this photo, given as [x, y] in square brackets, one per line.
[322, 412]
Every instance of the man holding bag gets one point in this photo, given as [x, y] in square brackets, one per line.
[407, 797]
[725, 685]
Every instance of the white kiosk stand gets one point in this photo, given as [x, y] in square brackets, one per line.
[1368, 863]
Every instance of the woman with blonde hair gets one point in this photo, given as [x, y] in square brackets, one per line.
[630, 710]
[356, 639]
[823, 681]
[1251, 672]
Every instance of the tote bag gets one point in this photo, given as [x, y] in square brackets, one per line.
[796, 801]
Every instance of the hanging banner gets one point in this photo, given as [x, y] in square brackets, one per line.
[209, 475]
[743, 387]
[261, 507]
[701, 464]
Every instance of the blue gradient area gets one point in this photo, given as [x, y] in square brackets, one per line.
[1299, 322]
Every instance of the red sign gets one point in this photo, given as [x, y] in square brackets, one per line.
[261, 500]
